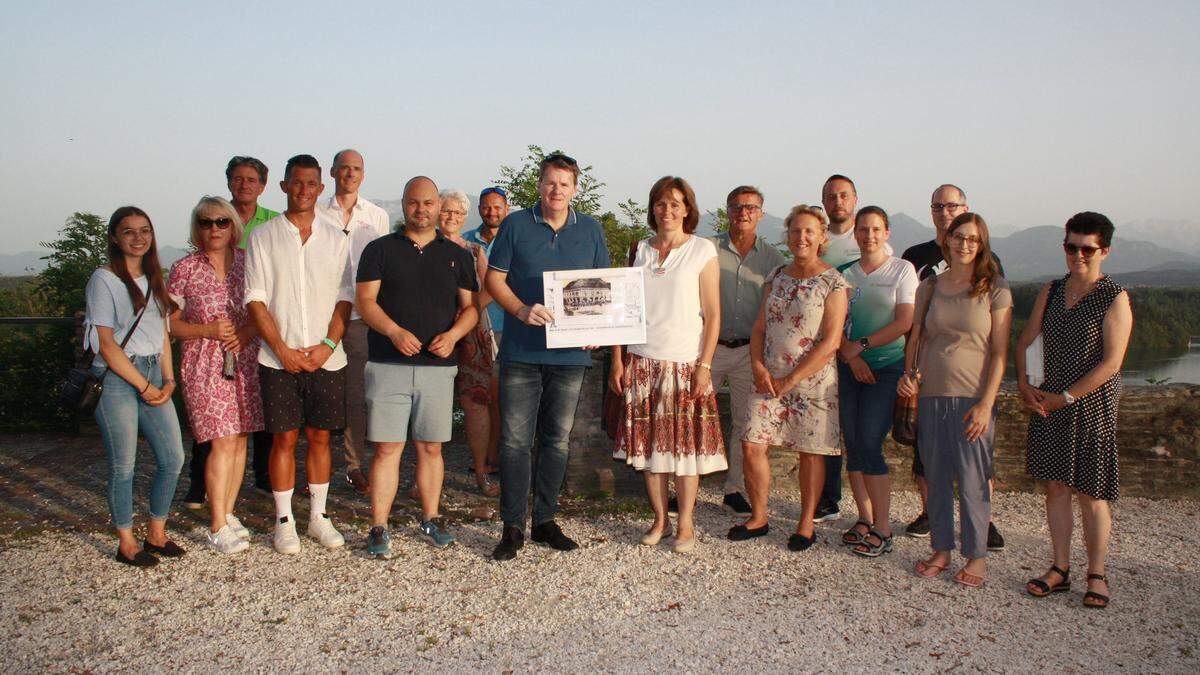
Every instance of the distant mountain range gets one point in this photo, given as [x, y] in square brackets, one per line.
[1164, 250]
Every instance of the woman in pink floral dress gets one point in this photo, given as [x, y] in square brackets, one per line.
[212, 322]
[792, 350]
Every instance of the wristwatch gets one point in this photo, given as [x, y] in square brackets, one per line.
[864, 342]
[1067, 397]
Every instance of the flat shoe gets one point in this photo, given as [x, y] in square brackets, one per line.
[742, 533]
[652, 538]
[139, 559]
[929, 570]
[1044, 589]
[967, 579]
[799, 542]
[684, 546]
[167, 550]
[1099, 600]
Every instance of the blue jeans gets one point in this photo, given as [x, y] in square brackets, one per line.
[537, 411]
[121, 413]
[866, 416]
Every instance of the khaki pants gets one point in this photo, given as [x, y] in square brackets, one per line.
[733, 365]
[355, 342]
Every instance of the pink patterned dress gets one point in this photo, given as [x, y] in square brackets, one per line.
[216, 407]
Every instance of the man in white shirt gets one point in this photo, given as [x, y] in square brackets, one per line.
[363, 223]
[299, 291]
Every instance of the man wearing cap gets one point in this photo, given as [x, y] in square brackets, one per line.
[363, 223]
[746, 260]
[539, 387]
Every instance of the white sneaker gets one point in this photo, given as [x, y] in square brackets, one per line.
[286, 539]
[322, 529]
[226, 541]
[236, 525]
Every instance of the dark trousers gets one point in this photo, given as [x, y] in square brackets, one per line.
[831, 493]
[262, 459]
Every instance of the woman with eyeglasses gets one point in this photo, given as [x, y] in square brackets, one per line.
[1084, 320]
[954, 362]
[472, 385]
[127, 304]
[219, 367]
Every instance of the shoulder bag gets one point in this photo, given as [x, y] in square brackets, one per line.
[80, 391]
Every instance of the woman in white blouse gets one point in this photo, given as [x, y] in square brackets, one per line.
[670, 426]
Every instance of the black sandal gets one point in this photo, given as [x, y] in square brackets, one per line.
[869, 550]
[853, 537]
[798, 542]
[1045, 589]
[1100, 598]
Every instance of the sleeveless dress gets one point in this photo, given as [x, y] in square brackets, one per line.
[1077, 444]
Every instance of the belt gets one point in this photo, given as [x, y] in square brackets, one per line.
[734, 344]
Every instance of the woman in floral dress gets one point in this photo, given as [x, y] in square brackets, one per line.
[670, 425]
[212, 323]
[795, 403]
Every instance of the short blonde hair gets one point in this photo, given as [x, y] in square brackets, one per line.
[222, 207]
[458, 195]
[806, 210]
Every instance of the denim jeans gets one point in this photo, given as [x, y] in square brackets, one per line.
[866, 416]
[537, 411]
[121, 414]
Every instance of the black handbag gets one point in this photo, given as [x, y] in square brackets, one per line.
[80, 391]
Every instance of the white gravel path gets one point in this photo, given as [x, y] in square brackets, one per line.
[612, 606]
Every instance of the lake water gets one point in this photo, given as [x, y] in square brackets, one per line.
[1182, 369]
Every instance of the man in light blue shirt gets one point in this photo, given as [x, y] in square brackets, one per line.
[493, 209]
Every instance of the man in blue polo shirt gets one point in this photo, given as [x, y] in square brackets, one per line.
[539, 387]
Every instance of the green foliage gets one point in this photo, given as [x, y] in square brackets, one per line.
[621, 233]
[521, 183]
[720, 220]
[80, 248]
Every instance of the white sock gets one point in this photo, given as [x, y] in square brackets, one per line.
[318, 491]
[283, 505]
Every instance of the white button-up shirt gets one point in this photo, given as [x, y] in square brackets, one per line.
[299, 282]
[367, 223]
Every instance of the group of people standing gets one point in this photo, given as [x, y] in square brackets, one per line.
[325, 318]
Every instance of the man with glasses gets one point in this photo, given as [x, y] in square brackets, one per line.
[539, 387]
[947, 203]
[246, 178]
[363, 223]
[745, 260]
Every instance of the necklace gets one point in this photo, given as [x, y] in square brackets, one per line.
[1076, 296]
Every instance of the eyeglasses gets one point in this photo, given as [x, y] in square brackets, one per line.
[452, 212]
[969, 239]
[1073, 250]
[209, 223]
[493, 191]
[948, 206]
[745, 207]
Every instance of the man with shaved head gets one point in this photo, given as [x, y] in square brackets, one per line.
[363, 222]
[947, 203]
[415, 293]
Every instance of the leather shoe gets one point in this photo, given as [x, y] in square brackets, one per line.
[742, 533]
[167, 550]
[510, 542]
[359, 481]
[550, 534]
[139, 559]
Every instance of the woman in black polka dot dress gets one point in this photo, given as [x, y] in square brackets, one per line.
[1084, 321]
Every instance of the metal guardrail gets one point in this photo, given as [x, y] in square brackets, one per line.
[34, 320]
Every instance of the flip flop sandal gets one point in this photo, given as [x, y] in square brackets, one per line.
[869, 550]
[928, 570]
[969, 580]
[1101, 600]
[852, 537]
[1044, 589]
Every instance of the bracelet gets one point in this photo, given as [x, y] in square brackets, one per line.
[145, 388]
[701, 364]
[329, 343]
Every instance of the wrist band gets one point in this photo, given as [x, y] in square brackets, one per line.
[329, 343]
[145, 388]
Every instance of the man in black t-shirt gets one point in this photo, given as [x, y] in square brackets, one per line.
[947, 203]
[414, 292]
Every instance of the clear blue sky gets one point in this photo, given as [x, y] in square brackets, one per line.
[1038, 109]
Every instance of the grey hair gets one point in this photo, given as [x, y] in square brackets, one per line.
[459, 195]
[210, 203]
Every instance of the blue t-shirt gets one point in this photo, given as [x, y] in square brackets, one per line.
[108, 305]
[494, 310]
[526, 247]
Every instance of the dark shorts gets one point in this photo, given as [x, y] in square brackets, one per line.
[291, 401]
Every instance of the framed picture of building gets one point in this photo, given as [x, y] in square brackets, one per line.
[595, 307]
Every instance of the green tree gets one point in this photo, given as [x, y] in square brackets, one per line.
[622, 232]
[720, 220]
[80, 248]
[521, 183]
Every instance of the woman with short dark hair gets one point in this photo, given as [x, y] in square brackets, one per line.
[127, 305]
[1084, 320]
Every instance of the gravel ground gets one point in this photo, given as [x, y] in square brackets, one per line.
[611, 606]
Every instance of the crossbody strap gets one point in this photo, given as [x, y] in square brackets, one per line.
[128, 333]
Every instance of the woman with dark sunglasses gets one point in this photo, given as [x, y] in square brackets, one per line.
[219, 368]
[1084, 321]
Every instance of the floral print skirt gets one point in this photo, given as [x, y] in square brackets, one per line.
[803, 419]
[661, 429]
[475, 366]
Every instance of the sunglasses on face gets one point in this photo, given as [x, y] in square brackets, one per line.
[209, 223]
[1073, 250]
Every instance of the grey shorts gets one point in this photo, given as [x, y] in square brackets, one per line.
[399, 395]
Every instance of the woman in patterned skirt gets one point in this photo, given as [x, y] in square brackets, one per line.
[795, 404]
[670, 425]
[212, 323]
[1084, 320]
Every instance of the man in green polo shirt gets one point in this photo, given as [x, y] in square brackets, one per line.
[246, 178]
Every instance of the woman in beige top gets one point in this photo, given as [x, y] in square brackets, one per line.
[954, 361]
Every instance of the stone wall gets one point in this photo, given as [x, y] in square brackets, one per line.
[1158, 436]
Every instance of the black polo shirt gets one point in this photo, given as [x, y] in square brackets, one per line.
[418, 290]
